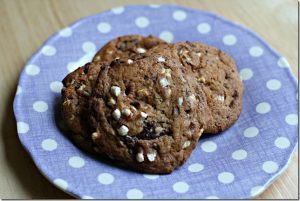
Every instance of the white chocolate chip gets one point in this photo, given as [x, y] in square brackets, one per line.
[110, 52]
[123, 130]
[198, 54]
[81, 88]
[164, 82]
[141, 50]
[140, 157]
[201, 79]
[115, 90]
[151, 155]
[129, 61]
[111, 101]
[192, 98]
[168, 92]
[220, 98]
[144, 115]
[186, 144]
[158, 130]
[133, 108]
[126, 112]
[116, 114]
[161, 59]
[95, 136]
[168, 73]
[180, 101]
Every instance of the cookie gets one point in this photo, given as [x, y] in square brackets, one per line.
[216, 74]
[148, 114]
[77, 88]
[126, 46]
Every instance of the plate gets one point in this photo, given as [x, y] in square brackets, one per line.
[238, 163]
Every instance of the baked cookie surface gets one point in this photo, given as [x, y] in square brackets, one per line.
[126, 46]
[148, 114]
[78, 86]
[216, 74]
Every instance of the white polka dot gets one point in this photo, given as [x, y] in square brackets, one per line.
[151, 176]
[62, 184]
[154, 6]
[256, 51]
[56, 86]
[49, 144]
[134, 194]
[118, 10]
[196, 167]
[246, 74]
[283, 63]
[226, 177]
[88, 47]
[203, 28]
[251, 132]
[19, 90]
[66, 32]
[209, 146]
[291, 119]
[105, 178]
[282, 142]
[263, 108]
[167, 36]
[49, 50]
[211, 197]
[273, 84]
[32, 69]
[22, 127]
[142, 22]
[104, 27]
[179, 15]
[76, 162]
[40, 106]
[256, 190]
[270, 167]
[239, 154]
[229, 39]
[181, 187]
[87, 197]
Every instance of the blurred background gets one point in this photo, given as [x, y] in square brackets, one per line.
[26, 24]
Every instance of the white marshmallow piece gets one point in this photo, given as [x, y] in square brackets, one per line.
[161, 59]
[164, 82]
[126, 112]
[115, 90]
[144, 115]
[140, 157]
[116, 114]
[180, 101]
[220, 98]
[141, 50]
[186, 144]
[123, 130]
[151, 155]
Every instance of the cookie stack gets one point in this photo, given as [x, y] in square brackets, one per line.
[144, 103]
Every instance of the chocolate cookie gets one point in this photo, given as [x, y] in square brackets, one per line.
[148, 114]
[76, 92]
[216, 74]
[126, 46]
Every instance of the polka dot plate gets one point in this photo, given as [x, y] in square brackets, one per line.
[238, 163]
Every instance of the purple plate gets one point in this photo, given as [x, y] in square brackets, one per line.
[239, 163]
